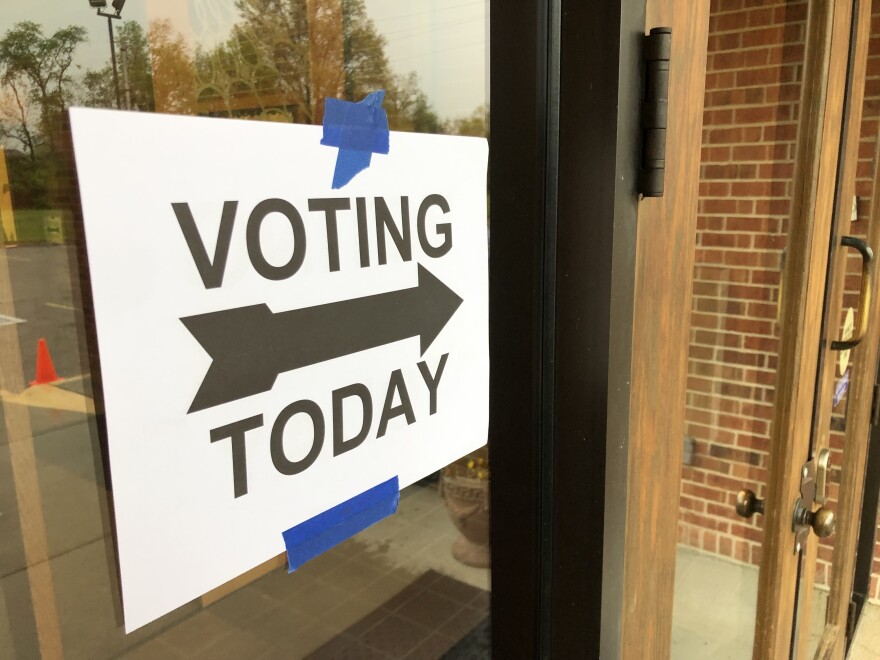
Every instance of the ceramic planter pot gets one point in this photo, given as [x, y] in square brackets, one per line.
[467, 500]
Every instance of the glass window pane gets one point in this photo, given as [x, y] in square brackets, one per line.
[415, 583]
[753, 88]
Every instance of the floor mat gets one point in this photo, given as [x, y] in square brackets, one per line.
[476, 645]
[425, 620]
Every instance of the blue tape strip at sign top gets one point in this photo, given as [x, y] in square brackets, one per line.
[359, 130]
[330, 528]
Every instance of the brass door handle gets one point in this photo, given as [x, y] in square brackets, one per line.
[823, 523]
[814, 484]
[747, 504]
[822, 520]
[865, 295]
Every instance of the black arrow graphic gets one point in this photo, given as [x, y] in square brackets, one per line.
[252, 345]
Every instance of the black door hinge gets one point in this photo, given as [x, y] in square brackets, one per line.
[655, 97]
[875, 406]
[851, 620]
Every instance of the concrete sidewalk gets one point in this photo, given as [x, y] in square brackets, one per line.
[714, 612]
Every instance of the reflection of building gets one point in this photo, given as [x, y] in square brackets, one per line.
[7, 220]
[252, 63]
[211, 19]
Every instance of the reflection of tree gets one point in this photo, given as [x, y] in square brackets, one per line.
[211, 19]
[37, 68]
[278, 60]
[100, 92]
[476, 124]
[408, 107]
[37, 88]
[286, 56]
[327, 52]
[174, 78]
[283, 54]
[18, 118]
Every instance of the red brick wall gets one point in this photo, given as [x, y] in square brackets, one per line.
[753, 80]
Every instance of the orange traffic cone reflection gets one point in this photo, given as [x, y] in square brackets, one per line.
[45, 367]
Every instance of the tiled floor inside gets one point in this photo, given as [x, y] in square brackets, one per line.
[275, 616]
[393, 591]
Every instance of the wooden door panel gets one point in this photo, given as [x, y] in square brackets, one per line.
[834, 289]
[664, 253]
[654, 464]
[852, 471]
[827, 47]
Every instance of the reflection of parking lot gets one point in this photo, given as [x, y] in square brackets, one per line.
[43, 300]
[50, 502]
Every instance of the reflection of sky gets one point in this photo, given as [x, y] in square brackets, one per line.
[444, 41]
[55, 14]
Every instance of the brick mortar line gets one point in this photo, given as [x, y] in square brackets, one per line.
[763, 370]
[714, 411]
[732, 348]
[721, 33]
[737, 299]
[719, 518]
[745, 106]
[730, 398]
[731, 315]
[762, 252]
[746, 124]
[735, 365]
[769, 389]
[756, 67]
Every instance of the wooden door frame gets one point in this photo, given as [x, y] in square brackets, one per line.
[816, 159]
[855, 453]
[648, 373]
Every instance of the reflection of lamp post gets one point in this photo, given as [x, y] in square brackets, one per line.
[346, 50]
[101, 5]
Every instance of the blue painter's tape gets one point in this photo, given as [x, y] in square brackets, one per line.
[359, 130]
[841, 388]
[360, 126]
[349, 164]
[317, 535]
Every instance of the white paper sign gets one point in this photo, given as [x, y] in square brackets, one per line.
[271, 347]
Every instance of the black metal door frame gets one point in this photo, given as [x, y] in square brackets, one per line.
[564, 92]
[868, 525]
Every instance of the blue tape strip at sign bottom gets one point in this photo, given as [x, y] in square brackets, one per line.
[330, 528]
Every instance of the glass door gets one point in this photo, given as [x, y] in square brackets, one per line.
[776, 433]
[826, 611]
[414, 585]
